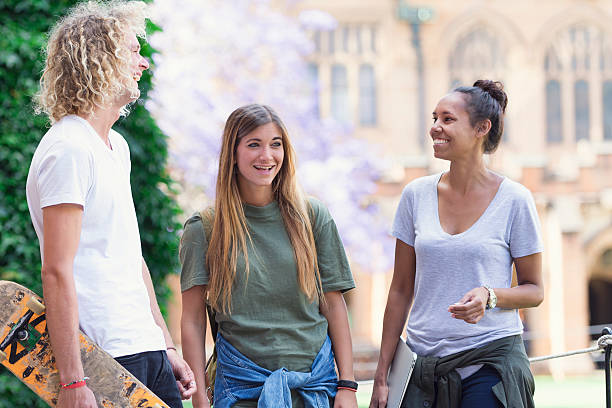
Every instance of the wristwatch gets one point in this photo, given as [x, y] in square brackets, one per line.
[492, 301]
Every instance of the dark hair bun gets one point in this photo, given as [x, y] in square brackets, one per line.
[495, 89]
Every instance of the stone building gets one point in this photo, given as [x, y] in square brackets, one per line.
[383, 69]
[386, 64]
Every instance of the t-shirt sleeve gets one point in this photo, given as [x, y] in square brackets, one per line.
[333, 264]
[192, 254]
[403, 223]
[525, 232]
[64, 175]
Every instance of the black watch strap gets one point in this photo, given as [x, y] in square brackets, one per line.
[348, 384]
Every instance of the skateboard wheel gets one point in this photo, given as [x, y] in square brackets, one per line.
[2, 356]
[35, 306]
[22, 335]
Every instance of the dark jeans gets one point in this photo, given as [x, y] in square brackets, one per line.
[476, 390]
[153, 369]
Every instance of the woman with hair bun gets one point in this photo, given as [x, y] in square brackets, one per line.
[459, 233]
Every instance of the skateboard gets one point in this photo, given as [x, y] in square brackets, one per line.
[26, 352]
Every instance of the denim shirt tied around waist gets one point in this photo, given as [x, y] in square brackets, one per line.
[238, 378]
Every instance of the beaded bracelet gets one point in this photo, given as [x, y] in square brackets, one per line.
[347, 385]
[75, 384]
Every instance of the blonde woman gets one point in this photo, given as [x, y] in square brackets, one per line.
[273, 267]
[78, 189]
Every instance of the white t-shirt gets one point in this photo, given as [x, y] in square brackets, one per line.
[72, 165]
[448, 266]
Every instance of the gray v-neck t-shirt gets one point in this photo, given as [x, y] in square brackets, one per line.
[448, 266]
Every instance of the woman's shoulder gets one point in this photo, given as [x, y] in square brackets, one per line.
[315, 204]
[195, 218]
[317, 210]
[195, 225]
[514, 189]
[424, 181]
[421, 184]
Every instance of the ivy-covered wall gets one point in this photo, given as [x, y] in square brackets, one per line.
[23, 28]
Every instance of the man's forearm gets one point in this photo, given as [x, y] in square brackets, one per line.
[157, 316]
[63, 322]
[62, 229]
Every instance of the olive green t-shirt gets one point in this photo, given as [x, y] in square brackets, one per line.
[272, 322]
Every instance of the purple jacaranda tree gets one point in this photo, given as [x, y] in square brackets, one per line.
[216, 55]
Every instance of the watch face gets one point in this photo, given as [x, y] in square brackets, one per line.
[492, 299]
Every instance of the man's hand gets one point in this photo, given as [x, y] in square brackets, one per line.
[471, 307]
[81, 397]
[183, 374]
[345, 399]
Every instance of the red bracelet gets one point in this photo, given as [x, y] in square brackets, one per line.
[347, 388]
[75, 384]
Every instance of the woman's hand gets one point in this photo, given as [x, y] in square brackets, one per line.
[380, 393]
[471, 307]
[345, 399]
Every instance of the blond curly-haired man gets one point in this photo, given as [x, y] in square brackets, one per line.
[79, 195]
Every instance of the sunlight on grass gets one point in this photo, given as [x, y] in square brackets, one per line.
[572, 392]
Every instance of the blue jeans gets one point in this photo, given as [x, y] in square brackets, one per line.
[238, 378]
[476, 390]
[153, 369]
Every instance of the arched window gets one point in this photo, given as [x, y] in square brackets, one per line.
[581, 109]
[313, 74]
[367, 95]
[476, 55]
[607, 109]
[339, 93]
[605, 67]
[345, 63]
[553, 112]
[578, 66]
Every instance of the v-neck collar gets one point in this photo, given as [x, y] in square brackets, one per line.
[92, 132]
[491, 204]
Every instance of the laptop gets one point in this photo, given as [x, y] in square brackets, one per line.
[399, 373]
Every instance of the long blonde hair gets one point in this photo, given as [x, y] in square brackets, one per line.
[87, 60]
[230, 233]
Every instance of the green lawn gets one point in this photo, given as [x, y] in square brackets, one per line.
[572, 392]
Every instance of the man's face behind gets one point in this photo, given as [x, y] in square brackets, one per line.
[137, 64]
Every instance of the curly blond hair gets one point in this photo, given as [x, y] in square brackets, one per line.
[87, 61]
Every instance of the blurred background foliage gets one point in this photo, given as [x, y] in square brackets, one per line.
[23, 28]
